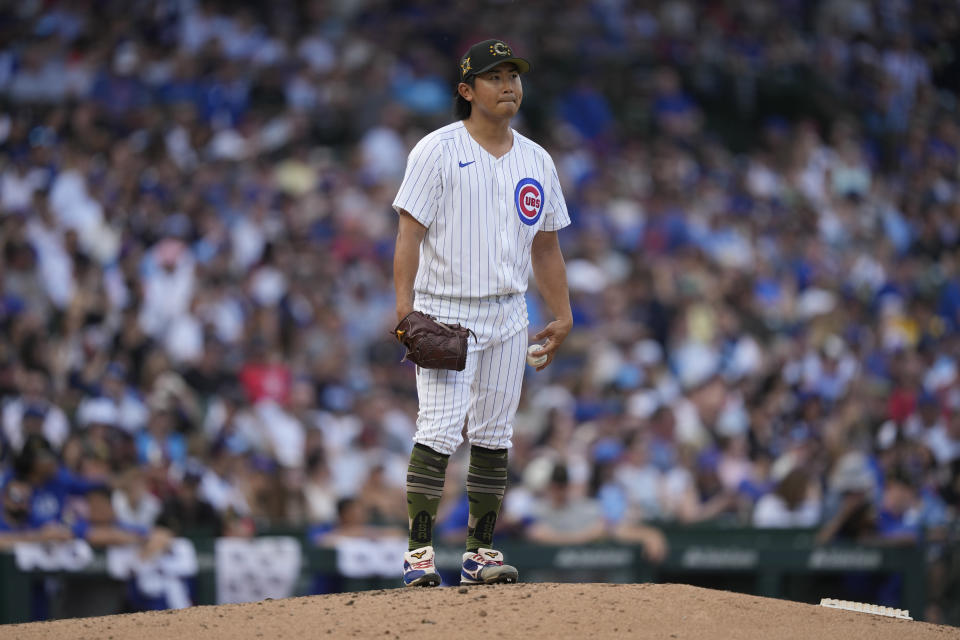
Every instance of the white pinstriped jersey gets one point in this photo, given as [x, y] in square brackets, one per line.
[481, 212]
[481, 215]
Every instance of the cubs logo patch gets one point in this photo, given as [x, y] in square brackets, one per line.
[528, 197]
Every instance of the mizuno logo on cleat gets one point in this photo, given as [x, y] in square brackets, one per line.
[419, 555]
[492, 554]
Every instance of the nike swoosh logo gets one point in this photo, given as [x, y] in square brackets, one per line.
[465, 164]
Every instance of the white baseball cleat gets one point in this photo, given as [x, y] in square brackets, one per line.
[419, 569]
[486, 567]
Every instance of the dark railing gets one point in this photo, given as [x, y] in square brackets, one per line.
[762, 562]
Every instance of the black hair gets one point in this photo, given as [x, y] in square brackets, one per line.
[34, 448]
[316, 459]
[100, 490]
[461, 106]
[902, 476]
[343, 504]
[559, 475]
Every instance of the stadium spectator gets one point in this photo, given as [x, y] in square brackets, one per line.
[101, 528]
[562, 518]
[32, 413]
[15, 518]
[318, 491]
[795, 502]
[51, 485]
[132, 501]
[185, 512]
[353, 521]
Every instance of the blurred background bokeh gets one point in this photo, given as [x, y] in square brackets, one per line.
[196, 246]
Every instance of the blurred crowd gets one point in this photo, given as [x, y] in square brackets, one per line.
[196, 289]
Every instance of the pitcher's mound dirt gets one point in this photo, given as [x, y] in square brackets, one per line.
[527, 611]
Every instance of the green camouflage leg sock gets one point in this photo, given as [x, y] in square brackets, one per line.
[486, 482]
[425, 477]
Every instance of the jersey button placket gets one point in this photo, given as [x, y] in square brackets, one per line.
[501, 194]
[502, 242]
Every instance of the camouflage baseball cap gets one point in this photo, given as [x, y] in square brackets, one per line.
[485, 55]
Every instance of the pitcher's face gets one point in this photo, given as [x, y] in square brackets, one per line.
[496, 93]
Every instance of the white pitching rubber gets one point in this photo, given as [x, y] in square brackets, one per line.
[863, 607]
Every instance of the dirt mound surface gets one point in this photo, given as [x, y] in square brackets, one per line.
[504, 611]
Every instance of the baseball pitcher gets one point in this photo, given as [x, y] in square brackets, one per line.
[479, 206]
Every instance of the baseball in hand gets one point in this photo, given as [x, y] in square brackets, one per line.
[532, 360]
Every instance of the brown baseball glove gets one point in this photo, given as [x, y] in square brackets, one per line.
[432, 344]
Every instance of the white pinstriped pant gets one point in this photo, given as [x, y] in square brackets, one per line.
[486, 393]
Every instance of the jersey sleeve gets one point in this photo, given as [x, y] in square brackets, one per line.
[555, 215]
[77, 485]
[419, 193]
